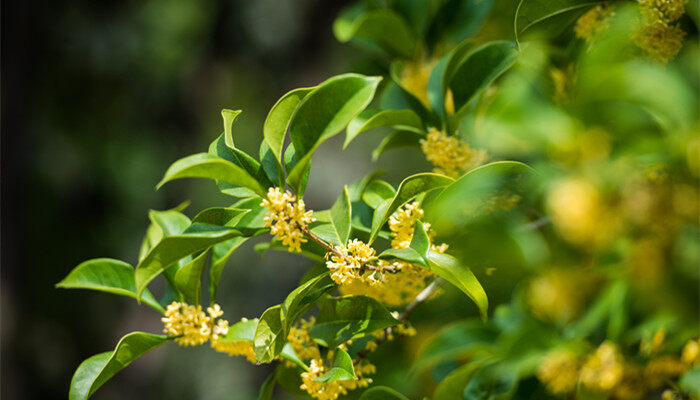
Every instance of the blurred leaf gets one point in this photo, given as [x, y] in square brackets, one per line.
[268, 387]
[204, 165]
[690, 381]
[98, 369]
[428, 117]
[395, 140]
[373, 118]
[457, 20]
[408, 189]
[107, 275]
[349, 317]
[279, 117]
[341, 217]
[478, 70]
[341, 370]
[532, 12]
[386, 28]
[452, 387]
[492, 383]
[461, 276]
[382, 393]
[188, 278]
[376, 192]
[441, 74]
[455, 341]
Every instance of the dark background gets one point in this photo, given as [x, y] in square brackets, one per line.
[98, 98]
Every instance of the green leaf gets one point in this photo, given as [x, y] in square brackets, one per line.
[690, 381]
[172, 248]
[107, 275]
[229, 117]
[221, 216]
[386, 28]
[271, 165]
[205, 165]
[420, 242]
[478, 70]
[409, 255]
[382, 393]
[323, 113]
[98, 369]
[270, 335]
[289, 354]
[442, 72]
[268, 387]
[243, 331]
[376, 192]
[428, 117]
[279, 117]
[454, 342]
[452, 387]
[349, 317]
[459, 202]
[461, 276]
[219, 148]
[532, 12]
[303, 297]
[188, 278]
[373, 118]
[459, 19]
[341, 216]
[408, 189]
[221, 252]
[341, 370]
[396, 140]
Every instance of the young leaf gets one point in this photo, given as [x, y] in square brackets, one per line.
[376, 192]
[408, 189]
[386, 28]
[461, 276]
[349, 317]
[479, 68]
[277, 121]
[341, 370]
[420, 242]
[205, 165]
[188, 278]
[221, 252]
[172, 248]
[373, 118]
[229, 117]
[323, 113]
[98, 369]
[341, 215]
[382, 393]
[107, 275]
[289, 354]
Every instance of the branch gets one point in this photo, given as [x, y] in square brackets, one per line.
[421, 297]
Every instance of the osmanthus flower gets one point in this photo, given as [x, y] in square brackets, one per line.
[594, 22]
[449, 154]
[604, 368]
[191, 325]
[559, 294]
[347, 263]
[335, 389]
[559, 371]
[300, 338]
[287, 218]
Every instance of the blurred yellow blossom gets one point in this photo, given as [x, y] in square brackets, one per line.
[559, 371]
[558, 294]
[449, 154]
[594, 22]
[335, 389]
[604, 368]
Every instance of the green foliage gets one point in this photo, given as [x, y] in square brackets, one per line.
[341, 369]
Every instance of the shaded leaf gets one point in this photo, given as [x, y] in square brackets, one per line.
[188, 278]
[279, 117]
[396, 140]
[341, 215]
[382, 393]
[452, 387]
[268, 387]
[221, 252]
[373, 118]
[386, 28]
[461, 276]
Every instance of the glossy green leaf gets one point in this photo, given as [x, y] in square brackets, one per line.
[396, 140]
[385, 27]
[205, 165]
[270, 335]
[188, 278]
[323, 113]
[341, 370]
[279, 117]
[107, 275]
[532, 12]
[420, 242]
[439, 79]
[221, 216]
[98, 369]
[461, 276]
[373, 118]
[478, 70]
[219, 148]
[221, 252]
[349, 317]
[690, 381]
[172, 248]
[382, 393]
[408, 254]
[341, 216]
[229, 117]
[289, 354]
[452, 387]
[303, 297]
[268, 387]
[376, 192]
[271, 165]
[242, 331]
[408, 189]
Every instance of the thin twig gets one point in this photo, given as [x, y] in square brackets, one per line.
[421, 297]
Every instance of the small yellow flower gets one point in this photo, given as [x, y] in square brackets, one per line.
[450, 155]
[653, 346]
[236, 348]
[192, 325]
[577, 211]
[559, 371]
[286, 218]
[347, 268]
[660, 369]
[594, 22]
[299, 338]
[603, 369]
[333, 390]
[691, 352]
[660, 41]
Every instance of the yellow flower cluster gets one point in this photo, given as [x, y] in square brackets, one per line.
[192, 325]
[299, 338]
[450, 155]
[414, 78]
[594, 22]
[286, 218]
[407, 280]
[660, 41]
[558, 294]
[346, 267]
[333, 390]
[605, 370]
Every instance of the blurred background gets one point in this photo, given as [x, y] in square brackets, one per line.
[101, 97]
